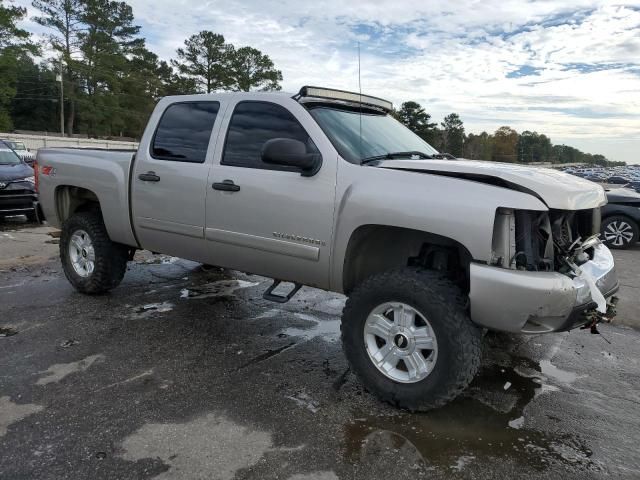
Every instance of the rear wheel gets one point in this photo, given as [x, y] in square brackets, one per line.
[409, 339]
[91, 261]
[619, 232]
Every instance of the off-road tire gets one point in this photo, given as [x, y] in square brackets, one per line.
[445, 307]
[635, 230]
[110, 258]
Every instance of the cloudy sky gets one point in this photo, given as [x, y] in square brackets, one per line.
[570, 69]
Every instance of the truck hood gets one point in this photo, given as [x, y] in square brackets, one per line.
[16, 171]
[556, 189]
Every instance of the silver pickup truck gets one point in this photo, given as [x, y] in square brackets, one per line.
[326, 189]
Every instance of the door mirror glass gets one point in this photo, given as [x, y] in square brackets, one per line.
[291, 153]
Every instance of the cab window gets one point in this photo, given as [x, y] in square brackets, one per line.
[252, 125]
[184, 131]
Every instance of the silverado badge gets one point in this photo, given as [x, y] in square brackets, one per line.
[298, 238]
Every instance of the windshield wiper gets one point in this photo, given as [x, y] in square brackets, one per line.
[391, 155]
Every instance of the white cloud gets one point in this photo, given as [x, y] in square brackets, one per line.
[581, 82]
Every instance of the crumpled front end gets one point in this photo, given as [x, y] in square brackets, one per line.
[548, 272]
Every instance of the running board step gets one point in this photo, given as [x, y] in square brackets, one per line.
[269, 295]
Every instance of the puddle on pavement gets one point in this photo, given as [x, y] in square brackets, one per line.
[148, 310]
[550, 370]
[221, 288]
[158, 260]
[487, 422]
[302, 399]
[327, 329]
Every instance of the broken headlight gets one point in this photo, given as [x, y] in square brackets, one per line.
[544, 240]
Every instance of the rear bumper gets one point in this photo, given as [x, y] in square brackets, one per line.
[537, 302]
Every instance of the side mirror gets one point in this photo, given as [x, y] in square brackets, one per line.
[291, 153]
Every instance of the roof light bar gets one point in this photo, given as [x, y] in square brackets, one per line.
[333, 94]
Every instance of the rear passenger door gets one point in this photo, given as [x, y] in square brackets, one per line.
[272, 221]
[169, 183]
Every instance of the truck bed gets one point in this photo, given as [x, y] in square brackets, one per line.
[105, 172]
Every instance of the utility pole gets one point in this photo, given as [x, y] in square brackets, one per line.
[61, 80]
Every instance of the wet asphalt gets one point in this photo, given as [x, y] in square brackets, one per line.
[186, 372]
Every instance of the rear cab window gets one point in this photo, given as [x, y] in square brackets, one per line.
[184, 131]
[252, 124]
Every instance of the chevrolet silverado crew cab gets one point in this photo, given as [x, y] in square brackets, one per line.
[326, 189]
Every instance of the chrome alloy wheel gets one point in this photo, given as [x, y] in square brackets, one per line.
[82, 253]
[618, 233]
[400, 342]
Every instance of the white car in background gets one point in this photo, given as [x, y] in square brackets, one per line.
[20, 148]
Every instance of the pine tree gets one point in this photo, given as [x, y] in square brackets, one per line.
[64, 19]
[14, 43]
[205, 60]
[453, 131]
[250, 69]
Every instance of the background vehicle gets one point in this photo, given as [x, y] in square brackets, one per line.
[594, 178]
[618, 180]
[18, 194]
[21, 150]
[635, 185]
[621, 218]
[326, 189]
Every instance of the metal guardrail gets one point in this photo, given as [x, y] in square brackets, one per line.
[34, 142]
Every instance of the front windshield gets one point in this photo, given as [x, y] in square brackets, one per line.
[18, 146]
[8, 157]
[381, 134]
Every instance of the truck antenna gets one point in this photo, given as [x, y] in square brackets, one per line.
[360, 103]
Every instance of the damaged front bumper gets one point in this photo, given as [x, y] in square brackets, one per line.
[538, 302]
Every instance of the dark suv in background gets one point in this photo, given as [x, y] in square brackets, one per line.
[621, 218]
[18, 194]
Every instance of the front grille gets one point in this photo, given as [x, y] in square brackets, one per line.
[16, 199]
[9, 192]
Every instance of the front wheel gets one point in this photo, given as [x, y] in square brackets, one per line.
[409, 339]
[91, 261]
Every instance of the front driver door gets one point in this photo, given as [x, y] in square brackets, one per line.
[276, 222]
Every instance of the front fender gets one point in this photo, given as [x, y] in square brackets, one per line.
[461, 210]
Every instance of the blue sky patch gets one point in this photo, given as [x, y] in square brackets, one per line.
[524, 71]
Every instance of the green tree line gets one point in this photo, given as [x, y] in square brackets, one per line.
[504, 145]
[95, 52]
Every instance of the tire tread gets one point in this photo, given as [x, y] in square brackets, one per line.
[458, 329]
[111, 258]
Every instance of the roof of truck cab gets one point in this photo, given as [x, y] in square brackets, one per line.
[256, 96]
[232, 95]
